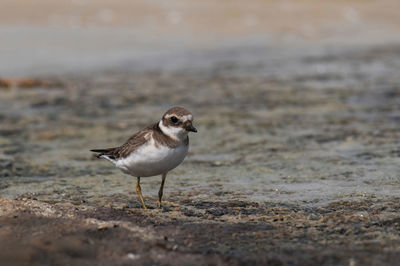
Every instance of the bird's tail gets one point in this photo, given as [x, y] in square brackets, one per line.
[102, 152]
[106, 154]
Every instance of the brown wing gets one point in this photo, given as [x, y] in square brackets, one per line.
[128, 147]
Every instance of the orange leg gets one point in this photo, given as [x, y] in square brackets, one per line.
[139, 192]
[160, 192]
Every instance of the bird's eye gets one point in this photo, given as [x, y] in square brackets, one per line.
[174, 119]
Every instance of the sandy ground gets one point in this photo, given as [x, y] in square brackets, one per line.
[289, 167]
[297, 157]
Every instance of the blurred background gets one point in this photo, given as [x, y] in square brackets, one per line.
[296, 161]
[48, 36]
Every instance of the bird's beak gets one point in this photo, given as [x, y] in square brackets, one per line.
[190, 127]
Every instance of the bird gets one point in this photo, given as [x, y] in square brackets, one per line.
[154, 150]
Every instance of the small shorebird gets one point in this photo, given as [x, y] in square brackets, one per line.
[154, 150]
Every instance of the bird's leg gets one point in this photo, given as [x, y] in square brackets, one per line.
[139, 192]
[160, 192]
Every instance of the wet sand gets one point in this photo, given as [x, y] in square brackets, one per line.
[217, 233]
[296, 161]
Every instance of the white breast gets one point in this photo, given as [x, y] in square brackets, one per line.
[151, 160]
